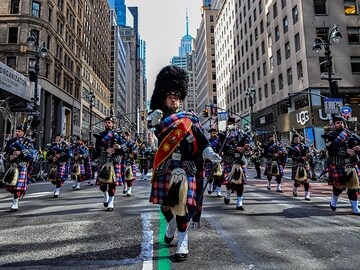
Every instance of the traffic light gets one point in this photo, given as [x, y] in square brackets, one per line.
[142, 117]
[206, 112]
[288, 102]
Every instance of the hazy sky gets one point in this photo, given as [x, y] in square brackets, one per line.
[162, 24]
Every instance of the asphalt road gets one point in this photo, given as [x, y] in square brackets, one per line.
[276, 231]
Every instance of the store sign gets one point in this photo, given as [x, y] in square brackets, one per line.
[14, 82]
[302, 117]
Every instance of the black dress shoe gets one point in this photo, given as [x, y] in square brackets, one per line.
[128, 195]
[257, 177]
[168, 240]
[110, 209]
[280, 191]
[180, 257]
[333, 207]
[209, 192]
[355, 214]
[226, 201]
[55, 196]
[124, 191]
[12, 210]
[307, 199]
[295, 194]
[240, 208]
[105, 204]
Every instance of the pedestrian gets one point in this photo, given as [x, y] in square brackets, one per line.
[109, 153]
[256, 156]
[343, 150]
[144, 160]
[58, 156]
[181, 144]
[18, 154]
[81, 165]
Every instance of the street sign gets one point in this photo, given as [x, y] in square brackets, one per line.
[222, 116]
[346, 111]
[352, 119]
[333, 105]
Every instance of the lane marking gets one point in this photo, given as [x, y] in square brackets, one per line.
[147, 244]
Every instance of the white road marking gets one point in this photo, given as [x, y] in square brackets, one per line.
[147, 243]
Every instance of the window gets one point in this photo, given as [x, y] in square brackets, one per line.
[287, 50]
[257, 53]
[271, 63]
[258, 74]
[266, 90]
[13, 34]
[260, 94]
[50, 15]
[268, 18]
[278, 57]
[283, 3]
[275, 10]
[353, 35]
[213, 63]
[264, 69]
[322, 32]
[263, 47]
[285, 24]
[295, 14]
[350, 7]
[11, 62]
[269, 41]
[299, 70]
[320, 7]
[277, 33]
[297, 42]
[281, 82]
[211, 18]
[260, 6]
[261, 27]
[355, 64]
[15, 7]
[36, 9]
[273, 86]
[289, 76]
[211, 29]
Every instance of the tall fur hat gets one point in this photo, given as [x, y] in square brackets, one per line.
[22, 127]
[338, 117]
[171, 80]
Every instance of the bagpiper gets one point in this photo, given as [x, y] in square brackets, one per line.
[181, 145]
[58, 155]
[108, 152]
[275, 155]
[144, 160]
[234, 163]
[128, 163]
[343, 149]
[300, 172]
[81, 165]
[215, 180]
[18, 155]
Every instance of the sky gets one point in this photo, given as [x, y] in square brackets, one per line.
[162, 24]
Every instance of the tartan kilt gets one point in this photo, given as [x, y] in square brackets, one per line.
[62, 172]
[161, 184]
[337, 174]
[67, 171]
[208, 166]
[227, 169]
[268, 168]
[22, 183]
[88, 168]
[82, 168]
[294, 169]
[123, 169]
[117, 169]
[144, 164]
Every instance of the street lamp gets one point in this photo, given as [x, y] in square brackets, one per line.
[335, 36]
[250, 92]
[91, 97]
[34, 76]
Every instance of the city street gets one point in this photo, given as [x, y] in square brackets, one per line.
[276, 231]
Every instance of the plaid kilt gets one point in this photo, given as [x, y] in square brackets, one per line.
[208, 166]
[337, 174]
[268, 168]
[22, 183]
[117, 169]
[161, 184]
[294, 169]
[123, 169]
[88, 168]
[227, 169]
[67, 171]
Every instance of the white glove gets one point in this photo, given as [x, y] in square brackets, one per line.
[155, 117]
[209, 154]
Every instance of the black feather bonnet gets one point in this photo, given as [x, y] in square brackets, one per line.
[171, 80]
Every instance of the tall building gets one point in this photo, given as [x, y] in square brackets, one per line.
[190, 102]
[120, 10]
[185, 47]
[205, 62]
[268, 45]
[117, 69]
